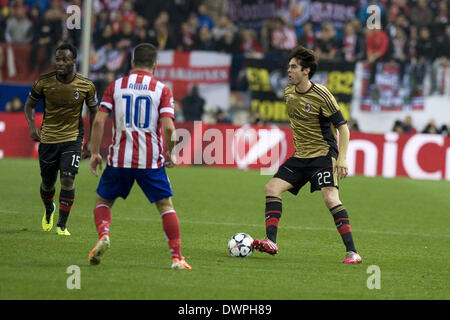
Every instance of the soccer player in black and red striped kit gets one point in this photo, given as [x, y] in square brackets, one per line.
[314, 116]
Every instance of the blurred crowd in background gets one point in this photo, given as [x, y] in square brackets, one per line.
[415, 32]
[411, 29]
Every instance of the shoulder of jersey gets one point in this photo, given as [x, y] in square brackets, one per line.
[321, 88]
[82, 78]
[46, 76]
[289, 89]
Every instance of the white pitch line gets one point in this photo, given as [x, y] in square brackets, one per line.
[182, 221]
[395, 233]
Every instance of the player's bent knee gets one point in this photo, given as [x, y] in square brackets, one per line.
[47, 186]
[330, 197]
[164, 205]
[275, 188]
[99, 200]
[67, 183]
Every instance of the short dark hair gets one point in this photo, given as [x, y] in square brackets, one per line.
[68, 46]
[305, 58]
[144, 55]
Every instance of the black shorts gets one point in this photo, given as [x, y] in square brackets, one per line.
[298, 171]
[64, 156]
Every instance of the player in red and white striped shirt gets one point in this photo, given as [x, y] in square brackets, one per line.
[143, 116]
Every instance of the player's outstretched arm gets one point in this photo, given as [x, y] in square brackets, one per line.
[341, 163]
[35, 133]
[169, 139]
[96, 139]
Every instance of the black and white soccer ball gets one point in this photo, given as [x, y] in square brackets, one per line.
[240, 245]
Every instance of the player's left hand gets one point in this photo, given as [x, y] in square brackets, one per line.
[86, 152]
[341, 168]
[96, 160]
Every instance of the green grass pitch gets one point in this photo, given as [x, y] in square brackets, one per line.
[400, 225]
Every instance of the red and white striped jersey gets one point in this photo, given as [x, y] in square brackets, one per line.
[137, 101]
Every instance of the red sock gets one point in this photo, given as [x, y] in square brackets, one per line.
[102, 217]
[171, 228]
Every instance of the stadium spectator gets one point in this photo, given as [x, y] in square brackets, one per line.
[107, 38]
[142, 36]
[441, 65]
[116, 21]
[101, 21]
[412, 42]
[421, 15]
[283, 35]
[55, 17]
[2, 26]
[161, 35]
[220, 28]
[151, 9]
[353, 125]
[128, 14]
[203, 18]
[2, 60]
[327, 47]
[398, 49]
[229, 43]
[397, 8]
[221, 117]
[425, 45]
[113, 5]
[15, 105]
[193, 105]
[250, 46]
[308, 37]
[431, 127]
[178, 111]
[18, 27]
[265, 36]
[41, 5]
[441, 19]
[256, 119]
[205, 40]
[408, 126]
[398, 126]
[352, 44]
[377, 43]
[42, 44]
[126, 38]
[186, 40]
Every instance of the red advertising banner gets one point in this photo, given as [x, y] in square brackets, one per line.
[420, 156]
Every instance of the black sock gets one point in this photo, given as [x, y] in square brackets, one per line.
[342, 223]
[47, 199]
[272, 216]
[66, 198]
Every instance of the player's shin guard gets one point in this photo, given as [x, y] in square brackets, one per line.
[102, 218]
[342, 223]
[171, 227]
[272, 216]
[66, 198]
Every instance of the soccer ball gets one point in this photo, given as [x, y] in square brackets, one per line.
[240, 245]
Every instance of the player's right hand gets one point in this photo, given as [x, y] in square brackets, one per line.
[96, 160]
[170, 160]
[35, 134]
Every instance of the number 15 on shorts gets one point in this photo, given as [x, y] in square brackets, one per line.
[75, 160]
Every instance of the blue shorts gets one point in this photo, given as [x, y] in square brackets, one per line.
[117, 182]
